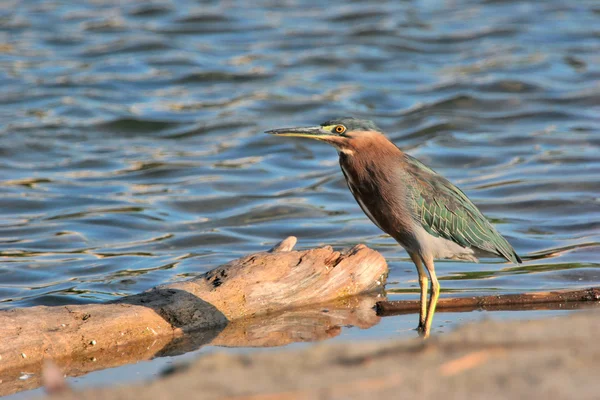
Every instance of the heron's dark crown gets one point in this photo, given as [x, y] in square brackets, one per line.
[353, 124]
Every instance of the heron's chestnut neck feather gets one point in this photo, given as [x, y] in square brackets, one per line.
[372, 166]
[369, 155]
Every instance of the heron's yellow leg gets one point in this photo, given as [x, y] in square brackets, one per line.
[423, 284]
[435, 294]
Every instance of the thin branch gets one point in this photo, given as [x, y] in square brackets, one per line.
[535, 300]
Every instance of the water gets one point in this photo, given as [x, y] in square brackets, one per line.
[132, 152]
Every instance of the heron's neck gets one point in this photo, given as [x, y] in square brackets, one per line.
[369, 156]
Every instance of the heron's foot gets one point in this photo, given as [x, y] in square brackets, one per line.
[423, 330]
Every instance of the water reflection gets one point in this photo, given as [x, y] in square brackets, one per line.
[308, 324]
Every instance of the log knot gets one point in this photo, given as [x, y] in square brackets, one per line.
[217, 276]
[286, 244]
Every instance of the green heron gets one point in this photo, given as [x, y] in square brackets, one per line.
[425, 213]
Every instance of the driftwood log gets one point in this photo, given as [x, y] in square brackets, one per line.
[228, 305]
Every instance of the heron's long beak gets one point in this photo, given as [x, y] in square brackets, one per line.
[313, 132]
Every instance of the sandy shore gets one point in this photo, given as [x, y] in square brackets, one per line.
[555, 358]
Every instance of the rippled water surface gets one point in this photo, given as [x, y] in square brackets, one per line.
[132, 152]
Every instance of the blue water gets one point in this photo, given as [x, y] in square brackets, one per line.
[132, 152]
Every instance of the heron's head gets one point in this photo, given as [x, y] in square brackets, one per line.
[347, 135]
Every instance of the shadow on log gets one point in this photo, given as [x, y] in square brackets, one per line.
[258, 300]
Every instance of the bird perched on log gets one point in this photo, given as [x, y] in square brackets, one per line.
[425, 213]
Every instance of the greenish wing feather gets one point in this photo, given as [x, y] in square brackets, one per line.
[444, 210]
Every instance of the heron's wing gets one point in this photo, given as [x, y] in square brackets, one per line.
[444, 210]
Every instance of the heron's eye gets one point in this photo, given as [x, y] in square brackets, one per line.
[340, 129]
